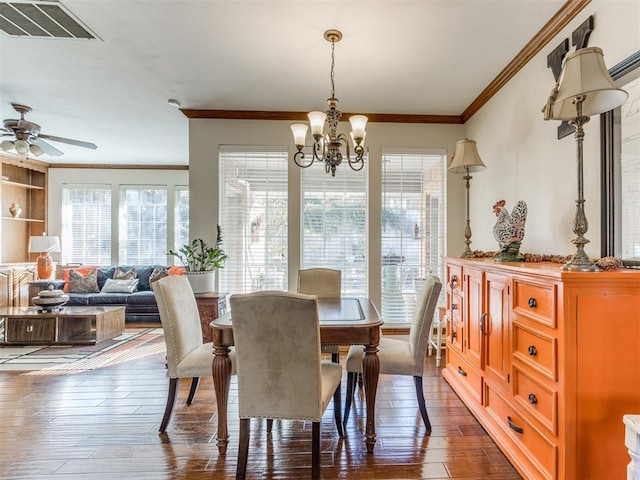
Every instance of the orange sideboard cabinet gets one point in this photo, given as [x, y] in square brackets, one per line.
[548, 361]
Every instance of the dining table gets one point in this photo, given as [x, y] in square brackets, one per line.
[343, 321]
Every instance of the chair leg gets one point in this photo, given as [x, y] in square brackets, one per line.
[243, 448]
[337, 414]
[423, 409]
[315, 451]
[194, 388]
[269, 425]
[360, 382]
[335, 357]
[171, 399]
[351, 383]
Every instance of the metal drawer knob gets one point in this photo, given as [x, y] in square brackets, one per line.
[532, 302]
[533, 351]
[533, 399]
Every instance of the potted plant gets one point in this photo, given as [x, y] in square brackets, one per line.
[201, 261]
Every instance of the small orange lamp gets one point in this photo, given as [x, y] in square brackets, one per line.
[45, 245]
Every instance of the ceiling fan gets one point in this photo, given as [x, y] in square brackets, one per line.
[29, 139]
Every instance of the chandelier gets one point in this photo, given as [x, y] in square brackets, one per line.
[326, 146]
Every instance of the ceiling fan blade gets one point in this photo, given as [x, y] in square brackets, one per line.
[77, 143]
[46, 148]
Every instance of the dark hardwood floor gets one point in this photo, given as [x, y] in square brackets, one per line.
[103, 425]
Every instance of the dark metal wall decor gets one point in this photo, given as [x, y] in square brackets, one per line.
[579, 39]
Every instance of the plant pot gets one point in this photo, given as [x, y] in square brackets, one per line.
[202, 282]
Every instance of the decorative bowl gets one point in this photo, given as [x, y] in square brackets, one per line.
[49, 303]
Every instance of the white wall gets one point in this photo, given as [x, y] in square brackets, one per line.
[524, 158]
[58, 177]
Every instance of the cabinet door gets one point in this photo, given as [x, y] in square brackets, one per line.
[495, 328]
[474, 308]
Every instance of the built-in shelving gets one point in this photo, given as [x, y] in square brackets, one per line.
[23, 181]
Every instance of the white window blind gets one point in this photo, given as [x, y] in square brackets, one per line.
[413, 213]
[181, 217]
[143, 225]
[334, 223]
[253, 218]
[86, 224]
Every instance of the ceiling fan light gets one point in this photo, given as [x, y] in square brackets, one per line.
[36, 150]
[22, 147]
[6, 145]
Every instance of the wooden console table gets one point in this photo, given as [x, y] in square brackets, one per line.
[210, 306]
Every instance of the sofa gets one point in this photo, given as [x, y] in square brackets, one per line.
[129, 286]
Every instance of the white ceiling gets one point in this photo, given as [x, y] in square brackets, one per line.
[396, 56]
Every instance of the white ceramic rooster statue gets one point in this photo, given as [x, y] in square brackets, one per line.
[509, 230]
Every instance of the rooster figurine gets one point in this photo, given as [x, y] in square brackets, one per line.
[509, 231]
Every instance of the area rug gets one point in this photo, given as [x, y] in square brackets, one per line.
[56, 359]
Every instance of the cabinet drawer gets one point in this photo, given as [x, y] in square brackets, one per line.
[29, 330]
[471, 379]
[536, 398]
[535, 301]
[536, 448]
[535, 349]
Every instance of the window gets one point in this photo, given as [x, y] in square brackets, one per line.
[86, 224]
[253, 217]
[413, 212]
[143, 225]
[181, 217]
[334, 224]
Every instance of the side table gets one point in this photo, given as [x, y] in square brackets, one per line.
[210, 306]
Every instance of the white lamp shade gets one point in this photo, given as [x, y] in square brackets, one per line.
[21, 146]
[299, 134]
[585, 74]
[358, 125]
[316, 120]
[44, 243]
[36, 150]
[466, 158]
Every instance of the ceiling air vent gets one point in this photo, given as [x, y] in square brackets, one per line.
[41, 19]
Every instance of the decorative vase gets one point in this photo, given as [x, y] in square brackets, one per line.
[15, 210]
[202, 282]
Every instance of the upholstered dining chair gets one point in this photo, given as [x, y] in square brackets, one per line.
[280, 371]
[401, 357]
[325, 283]
[187, 356]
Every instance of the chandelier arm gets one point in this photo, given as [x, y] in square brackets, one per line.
[357, 163]
[299, 155]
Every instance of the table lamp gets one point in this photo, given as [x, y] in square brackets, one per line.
[466, 159]
[584, 89]
[45, 245]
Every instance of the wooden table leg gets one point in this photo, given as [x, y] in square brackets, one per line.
[221, 370]
[371, 371]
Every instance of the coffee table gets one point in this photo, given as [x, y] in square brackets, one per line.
[68, 325]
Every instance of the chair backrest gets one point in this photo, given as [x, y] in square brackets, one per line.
[277, 342]
[323, 282]
[180, 318]
[425, 309]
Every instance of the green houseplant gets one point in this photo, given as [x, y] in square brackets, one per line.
[201, 261]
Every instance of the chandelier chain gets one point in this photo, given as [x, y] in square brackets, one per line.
[333, 62]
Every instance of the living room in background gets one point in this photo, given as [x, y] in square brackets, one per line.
[86, 224]
[142, 233]
[413, 229]
[253, 213]
[334, 224]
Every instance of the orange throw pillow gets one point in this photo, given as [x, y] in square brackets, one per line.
[176, 270]
[81, 270]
